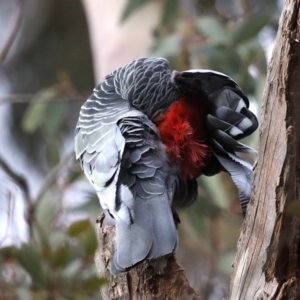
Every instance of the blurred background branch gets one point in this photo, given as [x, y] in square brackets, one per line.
[29, 98]
[15, 26]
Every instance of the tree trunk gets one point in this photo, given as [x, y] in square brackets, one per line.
[267, 263]
[159, 279]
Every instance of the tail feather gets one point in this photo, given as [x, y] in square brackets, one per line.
[164, 229]
[133, 242]
[153, 234]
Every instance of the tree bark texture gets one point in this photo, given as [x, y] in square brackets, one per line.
[160, 279]
[267, 264]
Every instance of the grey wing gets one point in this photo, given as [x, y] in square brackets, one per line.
[145, 171]
[99, 144]
[230, 120]
[121, 154]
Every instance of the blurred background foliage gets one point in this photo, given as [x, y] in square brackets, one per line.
[48, 210]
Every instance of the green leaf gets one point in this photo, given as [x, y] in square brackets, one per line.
[31, 262]
[216, 190]
[91, 206]
[92, 283]
[131, 7]
[90, 242]
[36, 111]
[213, 29]
[24, 294]
[9, 253]
[170, 12]
[225, 262]
[57, 238]
[85, 232]
[60, 257]
[54, 117]
[249, 49]
[79, 227]
[47, 211]
[210, 52]
[250, 29]
[167, 46]
[73, 268]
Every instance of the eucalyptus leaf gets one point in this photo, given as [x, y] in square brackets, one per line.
[60, 257]
[170, 11]
[89, 242]
[79, 227]
[225, 262]
[54, 117]
[9, 253]
[168, 46]
[47, 210]
[249, 49]
[215, 188]
[131, 7]
[73, 268]
[92, 283]
[210, 52]
[36, 111]
[31, 261]
[214, 30]
[24, 294]
[250, 29]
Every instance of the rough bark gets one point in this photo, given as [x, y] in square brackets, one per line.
[267, 263]
[160, 279]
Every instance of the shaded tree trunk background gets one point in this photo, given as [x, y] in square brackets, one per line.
[267, 262]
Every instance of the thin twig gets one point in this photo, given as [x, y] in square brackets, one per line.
[52, 176]
[10, 213]
[18, 179]
[22, 183]
[30, 98]
[14, 31]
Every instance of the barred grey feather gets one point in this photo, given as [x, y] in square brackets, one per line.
[228, 120]
[121, 152]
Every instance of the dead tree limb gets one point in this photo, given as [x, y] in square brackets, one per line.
[160, 279]
[267, 264]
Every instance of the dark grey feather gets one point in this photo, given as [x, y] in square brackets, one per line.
[121, 153]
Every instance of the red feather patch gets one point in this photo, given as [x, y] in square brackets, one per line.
[182, 130]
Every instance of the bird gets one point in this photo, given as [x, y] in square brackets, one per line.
[143, 138]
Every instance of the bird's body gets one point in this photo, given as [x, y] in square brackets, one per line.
[143, 138]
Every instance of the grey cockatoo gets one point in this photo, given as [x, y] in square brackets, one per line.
[146, 134]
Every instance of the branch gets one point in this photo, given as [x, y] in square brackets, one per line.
[20, 181]
[52, 176]
[267, 262]
[31, 98]
[14, 31]
[159, 278]
[23, 184]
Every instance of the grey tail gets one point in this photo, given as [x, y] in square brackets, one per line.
[152, 234]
